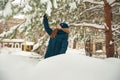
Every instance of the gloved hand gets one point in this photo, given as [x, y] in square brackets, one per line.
[45, 16]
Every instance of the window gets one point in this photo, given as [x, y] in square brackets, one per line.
[98, 46]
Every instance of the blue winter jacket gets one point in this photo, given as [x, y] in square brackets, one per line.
[57, 45]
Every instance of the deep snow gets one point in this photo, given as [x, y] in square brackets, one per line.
[19, 65]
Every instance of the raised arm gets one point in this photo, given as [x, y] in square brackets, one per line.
[46, 25]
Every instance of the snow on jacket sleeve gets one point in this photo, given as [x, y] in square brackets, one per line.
[46, 26]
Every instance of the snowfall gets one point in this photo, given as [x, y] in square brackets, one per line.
[16, 64]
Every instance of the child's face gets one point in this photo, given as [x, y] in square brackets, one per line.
[58, 26]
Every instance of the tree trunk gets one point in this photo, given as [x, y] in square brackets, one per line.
[108, 30]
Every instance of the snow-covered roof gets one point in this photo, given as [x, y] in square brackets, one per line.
[29, 43]
[13, 40]
[18, 40]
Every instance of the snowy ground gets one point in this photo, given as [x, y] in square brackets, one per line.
[19, 65]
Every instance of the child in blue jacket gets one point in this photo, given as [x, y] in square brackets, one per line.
[58, 42]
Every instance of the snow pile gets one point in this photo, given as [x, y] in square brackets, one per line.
[19, 52]
[9, 50]
[114, 61]
[75, 67]
[71, 66]
[14, 67]
[16, 64]
[71, 51]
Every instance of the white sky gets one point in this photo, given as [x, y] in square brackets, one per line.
[20, 65]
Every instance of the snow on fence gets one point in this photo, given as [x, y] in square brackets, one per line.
[12, 43]
[17, 43]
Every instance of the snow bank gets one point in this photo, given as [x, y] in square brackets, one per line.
[114, 61]
[75, 67]
[18, 65]
[7, 50]
[14, 67]
[79, 51]
[19, 52]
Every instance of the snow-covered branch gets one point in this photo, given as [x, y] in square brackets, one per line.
[8, 33]
[88, 25]
[91, 8]
[98, 2]
[94, 2]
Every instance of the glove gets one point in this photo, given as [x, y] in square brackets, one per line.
[45, 16]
